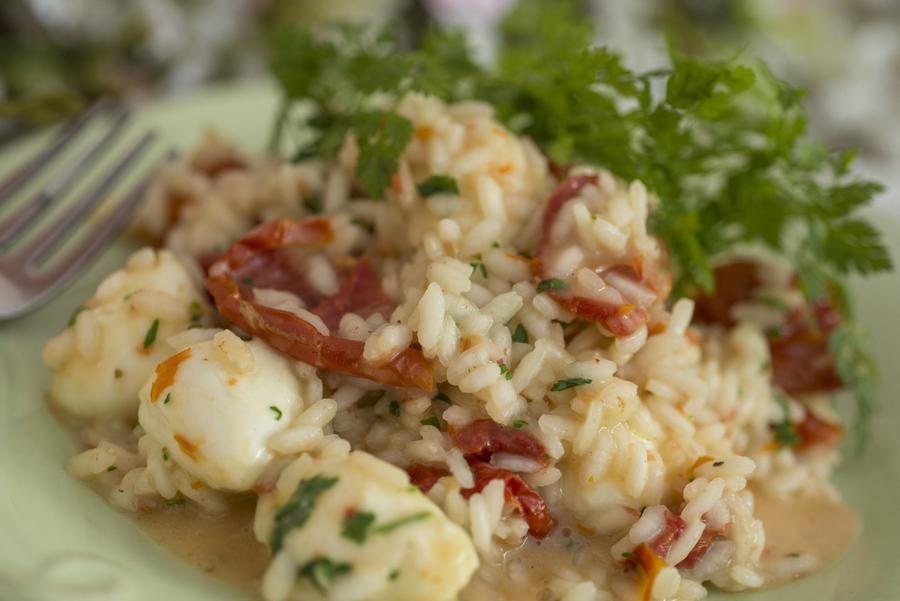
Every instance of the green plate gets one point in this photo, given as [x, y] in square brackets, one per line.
[61, 542]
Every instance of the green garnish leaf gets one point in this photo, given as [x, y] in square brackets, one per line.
[356, 526]
[195, 312]
[394, 574]
[74, 317]
[400, 522]
[520, 335]
[150, 336]
[440, 396]
[550, 284]
[478, 266]
[278, 413]
[295, 513]
[111, 468]
[168, 398]
[381, 137]
[322, 570]
[785, 434]
[438, 184]
[247, 281]
[504, 371]
[174, 502]
[314, 204]
[519, 423]
[395, 408]
[431, 421]
[165, 454]
[569, 383]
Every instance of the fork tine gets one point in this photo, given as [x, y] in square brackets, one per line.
[85, 251]
[46, 241]
[20, 177]
[18, 224]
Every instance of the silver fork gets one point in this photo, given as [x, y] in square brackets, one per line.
[30, 274]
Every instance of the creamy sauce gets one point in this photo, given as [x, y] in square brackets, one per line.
[803, 534]
[222, 546]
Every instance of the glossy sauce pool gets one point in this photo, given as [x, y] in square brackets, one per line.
[222, 546]
[803, 535]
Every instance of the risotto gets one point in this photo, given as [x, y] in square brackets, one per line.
[477, 388]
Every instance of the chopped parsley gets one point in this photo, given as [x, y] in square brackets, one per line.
[314, 204]
[438, 184]
[395, 573]
[785, 433]
[520, 335]
[295, 513]
[322, 570]
[550, 284]
[247, 281]
[792, 555]
[495, 244]
[478, 266]
[356, 526]
[174, 502]
[569, 383]
[195, 313]
[504, 371]
[165, 454]
[168, 398]
[519, 423]
[389, 527]
[150, 336]
[111, 468]
[440, 396]
[74, 317]
[381, 136]
[278, 413]
[431, 421]
[395, 408]
[718, 463]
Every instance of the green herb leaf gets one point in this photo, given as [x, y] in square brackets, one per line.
[74, 317]
[167, 399]
[195, 312]
[174, 502]
[278, 413]
[519, 423]
[388, 527]
[295, 513]
[165, 454]
[550, 284]
[322, 570]
[150, 336]
[314, 204]
[247, 281]
[438, 184]
[569, 383]
[394, 574]
[440, 396]
[356, 526]
[395, 408]
[381, 137]
[478, 266]
[785, 434]
[431, 421]
[504, 371]
[520, 335]
[111, 468]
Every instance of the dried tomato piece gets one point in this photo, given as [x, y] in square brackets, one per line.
[424, 477]
[735, 283]
[524, 498]
[814, 430]
[619, 318]
[480, 439]
[664, 540]
[289, 333]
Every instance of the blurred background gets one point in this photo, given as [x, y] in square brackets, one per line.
[56, 56]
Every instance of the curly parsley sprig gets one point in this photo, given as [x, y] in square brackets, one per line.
[722, 143]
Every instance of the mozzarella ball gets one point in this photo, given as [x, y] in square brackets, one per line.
[215, 403]
[354, 529]
[99, 363]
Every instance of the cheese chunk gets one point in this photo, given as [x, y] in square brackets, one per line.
[213, 405]
[354, 529]
[99, 363]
